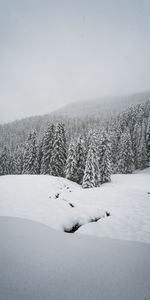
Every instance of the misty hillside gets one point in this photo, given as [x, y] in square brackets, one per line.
[103, 107]
[84, 114]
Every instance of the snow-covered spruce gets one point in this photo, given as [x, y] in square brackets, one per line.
[142, 156]
[71, 163]
[104, 158]
[46, 148]
[59, 155]
[125, 154]
[148, 140]
[5, 161]
[80, 152]
[89, 173]
[30, 164]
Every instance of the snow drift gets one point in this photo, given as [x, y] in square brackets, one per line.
[61, 204]
[40, 263]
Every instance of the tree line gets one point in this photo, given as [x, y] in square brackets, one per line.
[118, 146]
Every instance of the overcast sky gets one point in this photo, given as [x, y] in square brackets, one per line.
[56, 52]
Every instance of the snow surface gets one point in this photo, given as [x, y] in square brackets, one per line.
[127, 198]
[40, 263]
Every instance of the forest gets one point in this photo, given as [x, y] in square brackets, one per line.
[85, 150]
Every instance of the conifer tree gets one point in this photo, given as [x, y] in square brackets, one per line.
[39, 156]
[30, 164]
[143, 161]
[71, 163]
[125, 155]
[45, 150]
[18, 160]
[5, 161]
[1, 169]
[12, 164]
[148, 141]
[59, 155]
[80, 160]
[115, 134]
[95, 149]
[89, 173]
[64, 147]
[136, 143]
[104, 158]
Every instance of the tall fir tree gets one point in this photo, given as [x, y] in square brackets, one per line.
[104, 158]
[12, 164]
[45, 150]
[89, 173]
[136, 137]
[39, 155]
[30, 164]
[70, 170]
[59, 152]
[148, 140]
[95, 149]
[5, 161]
[1, 168]
[143, 161]
[115, 134]
[80, 152]
[18, 159]
[125, 154]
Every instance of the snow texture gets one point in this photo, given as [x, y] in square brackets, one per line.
[61, 204]
[40, 263]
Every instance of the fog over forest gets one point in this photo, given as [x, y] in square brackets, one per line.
[56, 52]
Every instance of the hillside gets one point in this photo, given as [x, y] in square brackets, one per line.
[103, 107]
[78, 118]
[118, 210]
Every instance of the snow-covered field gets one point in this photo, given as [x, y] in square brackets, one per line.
[40, 263]
[62, 204]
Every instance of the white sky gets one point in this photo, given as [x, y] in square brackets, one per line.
[56, 52]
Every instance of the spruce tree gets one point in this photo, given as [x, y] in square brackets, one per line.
[64, 147]
[104, 158]
[125, 155]
[136, 143]
[30, 164]
[80, 152]
[89, 173]
[59, 155]
[45, 150]
[143, 161]
[5, 161]
[115, 134]
[18, 160]
[12, 164]
[148, 141]
[39, 156]
[95, 148]
[70, 170]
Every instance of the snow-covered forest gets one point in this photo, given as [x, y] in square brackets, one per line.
[86, 151]
[75, 150]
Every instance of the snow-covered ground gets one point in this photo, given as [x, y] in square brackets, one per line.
[39, 263]
[61, 204]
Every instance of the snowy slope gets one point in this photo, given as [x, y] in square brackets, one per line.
[127, 199]
[40, 263]
[35, 197]
[62, 204]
